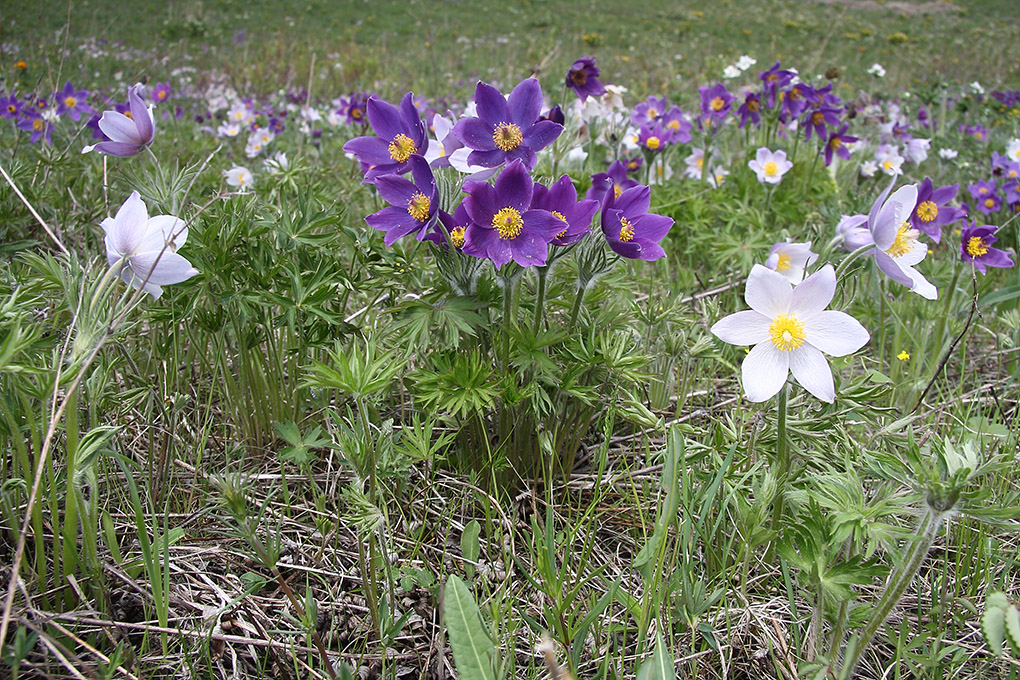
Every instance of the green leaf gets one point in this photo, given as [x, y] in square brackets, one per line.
[660, 666]
[473, 651]
[1002, 295]
[993, 626]
[997, 599]
[1013, 629]
[469, 546]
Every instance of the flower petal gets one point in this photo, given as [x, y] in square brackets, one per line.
[542, 134]
[166, 267]
[743, 328]
[764, 371]
[514, 186]
[525, 103]
[768, 292]
[812, 371]
[490, 104]
[814, 293]
[835, 333]
[119, 128]
[385, 119]
[475, 133]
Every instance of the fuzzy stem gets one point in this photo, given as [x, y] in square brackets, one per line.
[542, 273]
[900, 579]
[782, 457]
[576, 310]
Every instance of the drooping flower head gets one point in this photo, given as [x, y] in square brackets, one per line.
[507, 129]
[791, 330]
[503, 225]
[72, 103]
[791, 259]
[629, 228]
[976, 247]
[583, 78]
[143, 250]
[818, 120]
[799, 97]
[400, 134]
[770, 166]
[561, 200]
[413, 205]
[897, 248]
[750, 110]
[932, 212]
[240, 177]
[854, 231]
[127, 135]
[773, 80]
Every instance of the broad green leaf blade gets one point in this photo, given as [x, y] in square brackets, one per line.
[993, 625]
[660, 666]
[1013, 629]
[473, 650]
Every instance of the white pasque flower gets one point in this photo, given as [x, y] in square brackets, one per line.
[770, 166]
[1013, 149]
[877, 70]
[745, 62]
[240, 177]
[897, 248]
[143, 250]
[790, 330]
[731, 71]
[869, 168]
[948, 154]
[791, 259]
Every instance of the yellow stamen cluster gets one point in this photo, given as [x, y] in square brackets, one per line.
[508, 223]
[927, 211]
[70, 102]
[507, 136]
[771, 169]
[718, 104]
[786, 332]
[401, 148]
[418, 207]
[626, 230]
[558, 215]
[673, 125]
[976, 246]
[835, 143]
[653, 143]
[37, 125]
[457, 237]
[989, 202]
[817, 118]
[983, 190]
[904, 241]
[753, 105]
[617, 190]
[784, 262]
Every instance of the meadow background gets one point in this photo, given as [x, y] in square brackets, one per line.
[275, 469]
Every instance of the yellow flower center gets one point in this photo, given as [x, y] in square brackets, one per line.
[37, 125]
[673, 125]
[457, 237]
[508, 223]
[983, 190]
[927, 211]
[617, 190]
[70, 102]
[887, 164]
[904, 241]
[700, 162]
[626, 230]
[652, 113]
[835, 143]
[976, 246]
[753, 105]
[653, 143]
[507, 136]
[989, 202]
[356, 114]
[578, 77]
[128, 114]
[401, 148]
[903, 356]
[418, 207]
[718, 104]
[771, 169]
[558, 215]
[11, 108]
[817, 118]
[161, 95]
[786, 332]
[784, 262]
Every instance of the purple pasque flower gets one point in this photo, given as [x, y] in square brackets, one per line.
[978, 132]
[143, 250]
[555, 114]
[413, 205]
[716, 102]
[797, 99]
[400, 134]
[773, 80]
[932, 211]
[649, 110]
[750, 110]
[503, 225]
[631, 230]
[836, 145]
[561, 200]
[160, 92]
[986, 198]
[10, 107]
[72, 102]
[449, 230]
[583, 78]
[790, 330]
[854, 231]
[818, 120]
[653, 136]
[976, 247]
[897, 248]
[355, 108]
[507, 129]
[677, 125]
[38, 125]
[127, 134]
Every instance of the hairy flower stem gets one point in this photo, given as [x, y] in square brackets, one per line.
[508, 297]
[901, 578]
[845, 264]
[576, 310]
[542, 273]
[782, 458]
